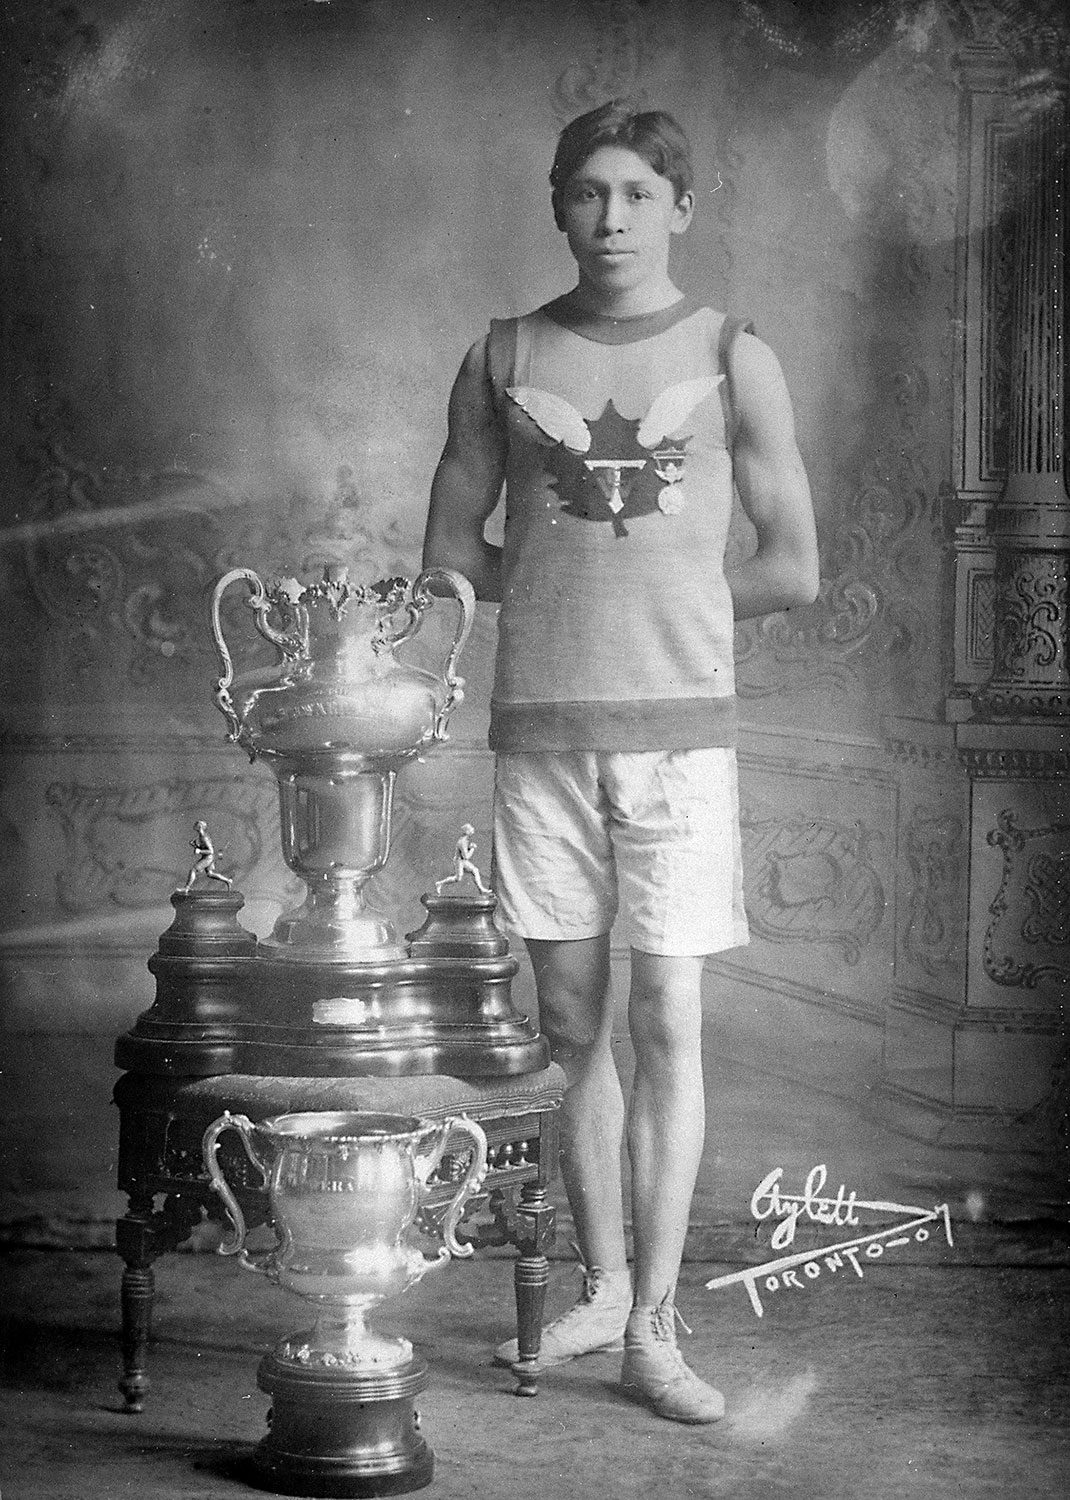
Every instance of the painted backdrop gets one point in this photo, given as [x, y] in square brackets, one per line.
[246, 244]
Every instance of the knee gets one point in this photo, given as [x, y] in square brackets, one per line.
[664, 1025]
[570, 1027]
[573, 986]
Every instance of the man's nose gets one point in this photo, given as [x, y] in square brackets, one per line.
[614, 211]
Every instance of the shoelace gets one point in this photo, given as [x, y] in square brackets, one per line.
[592, 1278]
[664, 1321]
[666, 1316]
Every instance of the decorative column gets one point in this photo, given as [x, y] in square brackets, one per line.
[1029, 528]
[1016, 747]
[975, 1043]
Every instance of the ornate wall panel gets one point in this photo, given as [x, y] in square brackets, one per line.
[872, 600]
[974, 1030]
[1020, 896]
[818, 825]
[932, 867]
[932, 937]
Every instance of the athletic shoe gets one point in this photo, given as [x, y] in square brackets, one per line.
[654, 1370]
[594, 1323]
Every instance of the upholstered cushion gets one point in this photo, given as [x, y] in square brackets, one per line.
[431, 1096]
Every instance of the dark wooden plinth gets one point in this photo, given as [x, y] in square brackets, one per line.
[226, 1005]
[344, 1434]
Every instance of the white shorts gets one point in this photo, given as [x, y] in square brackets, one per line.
[579, 833]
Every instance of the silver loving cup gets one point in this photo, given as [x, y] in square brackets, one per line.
[344, 1191]
[336, 715]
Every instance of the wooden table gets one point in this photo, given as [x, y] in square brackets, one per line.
[163, 1119]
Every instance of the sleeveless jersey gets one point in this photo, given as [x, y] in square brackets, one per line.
[615, 627]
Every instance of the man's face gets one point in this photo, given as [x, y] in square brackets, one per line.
[620, 215]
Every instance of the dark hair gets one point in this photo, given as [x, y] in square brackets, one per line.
[652, 134]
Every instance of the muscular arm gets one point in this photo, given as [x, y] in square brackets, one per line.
[468, 482]
[773, 488]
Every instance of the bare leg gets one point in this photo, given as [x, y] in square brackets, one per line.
[666, 1117]
[576, 1014]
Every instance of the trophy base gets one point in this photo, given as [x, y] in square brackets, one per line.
[340, 1433]
[226, 1005]
[368, 938]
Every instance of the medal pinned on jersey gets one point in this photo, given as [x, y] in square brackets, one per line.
[637, 465]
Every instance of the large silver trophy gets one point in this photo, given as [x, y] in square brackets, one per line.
[336, 715]
[334, 991]
[345, 1190]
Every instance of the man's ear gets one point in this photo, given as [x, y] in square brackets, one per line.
[683, 213]
[559, 212]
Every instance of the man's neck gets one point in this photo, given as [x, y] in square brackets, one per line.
[632, 302]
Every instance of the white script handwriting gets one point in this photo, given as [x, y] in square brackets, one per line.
[776, 1275]
[769, 1200]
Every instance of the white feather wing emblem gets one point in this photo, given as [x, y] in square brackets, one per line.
[554, 415]
[673, 407]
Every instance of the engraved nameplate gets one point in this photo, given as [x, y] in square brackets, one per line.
[346, 1010]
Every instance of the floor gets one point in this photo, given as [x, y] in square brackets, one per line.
[927, 1377]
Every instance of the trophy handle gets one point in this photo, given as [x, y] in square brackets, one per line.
[289, 643]
[473, 1181]
[457, 585]
[218, 1183]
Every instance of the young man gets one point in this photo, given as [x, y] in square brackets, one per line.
[619, 418]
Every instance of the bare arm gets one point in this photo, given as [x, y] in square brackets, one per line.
[468, 482]
[773, 489]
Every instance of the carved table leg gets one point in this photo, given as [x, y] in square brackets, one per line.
[534, 1237]
[141, 1236]
[137, 1242]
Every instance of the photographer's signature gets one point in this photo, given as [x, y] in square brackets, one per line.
[788, 1271]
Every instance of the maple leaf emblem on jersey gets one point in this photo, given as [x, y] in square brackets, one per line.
[615, 468]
